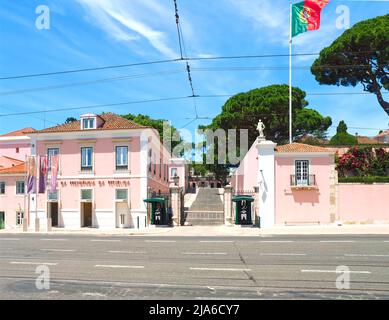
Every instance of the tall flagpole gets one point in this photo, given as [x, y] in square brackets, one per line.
[290, 73]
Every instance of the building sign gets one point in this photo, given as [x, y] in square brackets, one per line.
[95, 183]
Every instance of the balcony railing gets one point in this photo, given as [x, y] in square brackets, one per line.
[299, 182]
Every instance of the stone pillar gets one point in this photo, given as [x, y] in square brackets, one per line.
[176, 195]
[266, 182]
[334, 215]
[256, 207]
[228, 214]
[25, 224]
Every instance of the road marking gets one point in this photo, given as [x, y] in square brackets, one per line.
[336, 241]
[386, 240]
[117, 266]
[283, 254]
[10, 239]
[366, 255]
[276, 241]
[219, 269]
[54, 239]
[334, 271]
[210, 241]
[105, 240]
[59, 250]
[205, 253]
[160, 240]
[118, 251]
[34, 263]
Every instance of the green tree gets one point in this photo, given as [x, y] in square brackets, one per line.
[342, 137]
[271, 105]
[70, 119]
[157, 124]
[359, 55]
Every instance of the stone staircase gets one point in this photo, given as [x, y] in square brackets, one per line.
[206, 209]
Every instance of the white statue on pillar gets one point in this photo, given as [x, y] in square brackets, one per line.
[260, 128]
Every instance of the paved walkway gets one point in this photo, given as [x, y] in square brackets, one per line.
[224, 230]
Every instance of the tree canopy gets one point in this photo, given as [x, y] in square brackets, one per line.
[157, 124]
[271, 105]
[359, 55]
[342, 137]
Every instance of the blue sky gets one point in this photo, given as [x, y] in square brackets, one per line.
[93, 33]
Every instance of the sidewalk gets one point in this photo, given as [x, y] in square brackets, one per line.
[222, 231]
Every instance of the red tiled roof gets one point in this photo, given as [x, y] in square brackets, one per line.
[382, 134]
[300, 148]
[13, 160]
[18, 169]
[20, 132]
[367, 140]
[110, 122]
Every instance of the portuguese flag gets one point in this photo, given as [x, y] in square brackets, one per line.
[306, 15]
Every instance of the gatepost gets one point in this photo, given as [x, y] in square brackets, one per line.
[176, 196]
[228, 218]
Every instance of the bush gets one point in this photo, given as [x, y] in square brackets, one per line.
[368, 179]
[363, 162]
[343, 139]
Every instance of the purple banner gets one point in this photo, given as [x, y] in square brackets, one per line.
[54, 173]
[31, 175]
[43, 168]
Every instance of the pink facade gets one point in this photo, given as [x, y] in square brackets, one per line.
[365, 203]
[296, 205]
[245, 176]
[107, 167]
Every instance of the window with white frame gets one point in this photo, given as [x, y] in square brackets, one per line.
[86, 194]
[88, 123]
[50, 153]
[302, 172]
[121, 158]
[86, 159]
[19, 187]
[121, 194]
[2, 187]
[19, 217]
[52, 196]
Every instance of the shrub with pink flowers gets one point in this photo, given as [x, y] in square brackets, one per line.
[363, 162]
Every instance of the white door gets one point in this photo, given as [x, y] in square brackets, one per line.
[302, 172]
[121, 214]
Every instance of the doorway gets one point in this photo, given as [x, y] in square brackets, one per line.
[53, 213]
[2, 220]
[86, 214]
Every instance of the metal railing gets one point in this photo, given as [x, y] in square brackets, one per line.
[299, 181]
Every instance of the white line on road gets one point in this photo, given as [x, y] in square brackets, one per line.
[160, 240]
[210, 241]
[283, 254]
[118, 251]
[59, 250]
[105, 240]
[54, 239]
[334, 271]
[366, 255]
[205, 253]
[34, 263]
[386, 240]
[10, 239]
[219, 269]
[336, 241]
[117, 266]
[276, 241]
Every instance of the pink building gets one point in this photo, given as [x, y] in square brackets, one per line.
[16, 144]
[107, 167]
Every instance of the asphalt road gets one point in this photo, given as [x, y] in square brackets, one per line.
[135, 267]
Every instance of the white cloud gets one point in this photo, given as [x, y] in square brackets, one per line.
[271, 17]
[132, 21]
